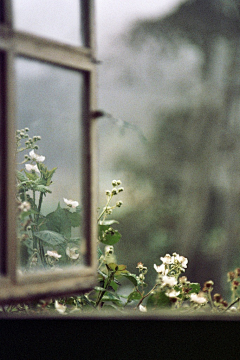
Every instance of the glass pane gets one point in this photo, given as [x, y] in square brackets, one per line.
[49, 104]
[54, 19]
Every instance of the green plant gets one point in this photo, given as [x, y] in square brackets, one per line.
[46, 243]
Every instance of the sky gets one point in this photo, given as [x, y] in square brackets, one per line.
[113, 16]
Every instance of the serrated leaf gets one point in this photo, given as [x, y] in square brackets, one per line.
[21, 177]
[195, 288]
[43, 189]
[61, 221]
[109, 239]
[50, 237]
[31, 176]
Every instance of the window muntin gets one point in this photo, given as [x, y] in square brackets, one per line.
[18, 47]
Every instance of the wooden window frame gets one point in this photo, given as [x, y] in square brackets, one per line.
[15, 287]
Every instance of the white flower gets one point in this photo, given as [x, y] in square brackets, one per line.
[71, 203]
[232, 309]
[172, 293]
[160, 269]
[142, 308]
[53, 254]
[30, 167]
[167, 259]
[198, 298]
[38, 158]
[25, 206]
[59, 307]
[72, 253]
[169, 280]
[182, 260]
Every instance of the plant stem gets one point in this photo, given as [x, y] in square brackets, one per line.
[39, 206]
[105, 208]
[233, 303]
[146, 296]
[101, 294]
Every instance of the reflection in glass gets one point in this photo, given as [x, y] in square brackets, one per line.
[58, 20]
[49, 105]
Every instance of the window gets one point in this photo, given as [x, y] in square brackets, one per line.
[47, 85]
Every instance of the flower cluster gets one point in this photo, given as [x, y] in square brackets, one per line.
[171, 265]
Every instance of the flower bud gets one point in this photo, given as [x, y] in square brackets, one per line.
[183, 280]
[120, 189]
[139, 266]
[119, 203]
[217, 298]
[108, 192]
[114, 183]
[119, 182]
[26, 129]
[231, 275]
[237, 271]
[114, 191]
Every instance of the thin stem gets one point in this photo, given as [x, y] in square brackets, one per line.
[101, 294]
[105, 208]
[146, 296]
[233, 303]
[39, 206]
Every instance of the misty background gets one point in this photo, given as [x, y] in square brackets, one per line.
[169, 73]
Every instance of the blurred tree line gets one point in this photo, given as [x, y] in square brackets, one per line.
[190, 176]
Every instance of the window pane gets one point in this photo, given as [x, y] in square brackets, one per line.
[54, 19]
[49, 103]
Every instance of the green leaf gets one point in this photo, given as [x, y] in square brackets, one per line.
[195, 288]
[135, 295]
[108, 296]
[114, 285]
[31, 176]
[21, 177]
[158, 299]
[109, 239]
[75, 219]
[61, 221]
[99, 288]
[50, 237]
[43, 189]
[131, 277]
[112, 266]
[101, 273]
[99, 252]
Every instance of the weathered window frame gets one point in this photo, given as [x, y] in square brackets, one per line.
[13, 286]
